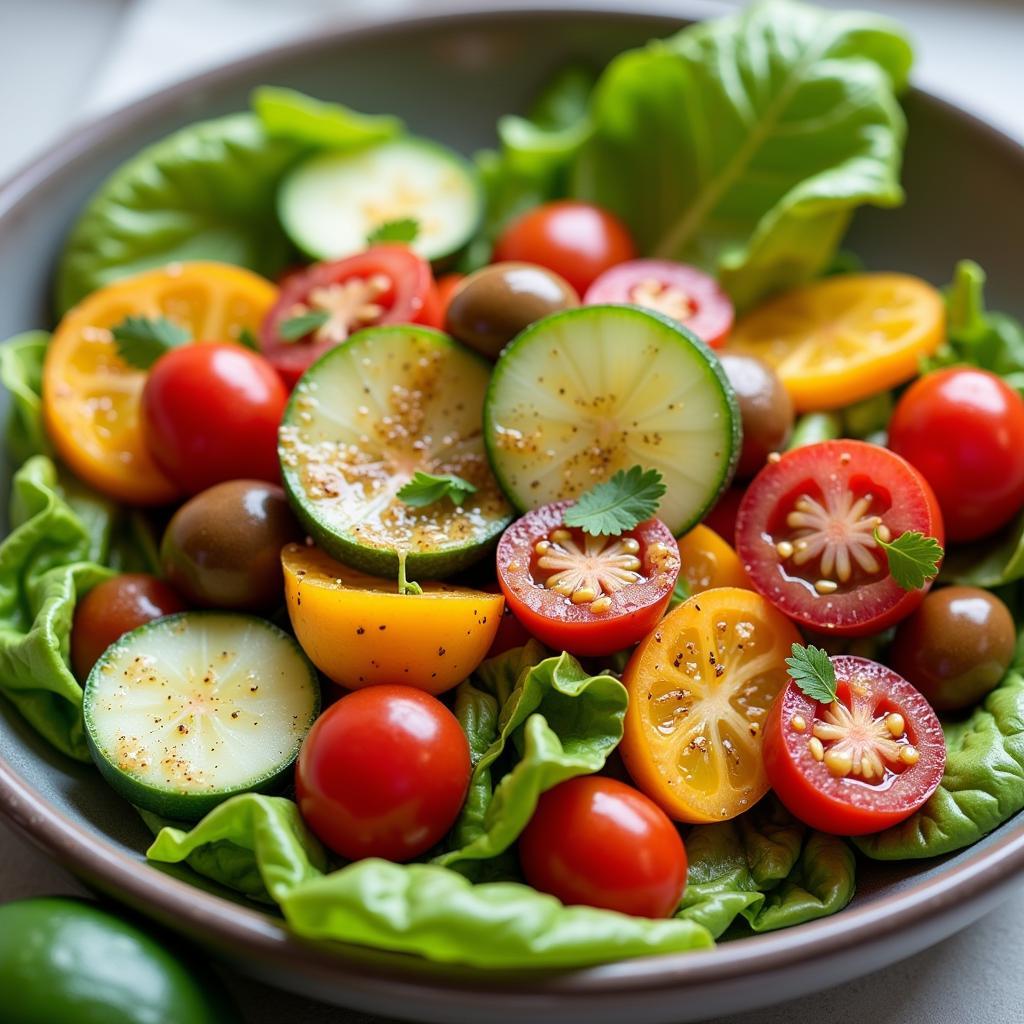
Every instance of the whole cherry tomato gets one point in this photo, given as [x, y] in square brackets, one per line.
[211, 413]
[383, 773]
[577, 240]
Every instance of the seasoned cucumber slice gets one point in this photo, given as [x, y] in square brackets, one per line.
[332, 202]
[583, 393]
[362, 421]
[190, 709]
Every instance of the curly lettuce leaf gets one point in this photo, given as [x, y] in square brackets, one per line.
[763, 869]
[290, 114]
[47, 561]
[744, 144]
[206, 192]
[21, 374]
[982, 787]
[561, 722]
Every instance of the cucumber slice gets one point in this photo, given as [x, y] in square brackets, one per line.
[362, 421]
[332, 202]
[188, 710]
[588, 391]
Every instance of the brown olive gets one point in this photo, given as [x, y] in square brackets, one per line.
[494, 304]
[956, 647]
[222, 548]
[765, 409]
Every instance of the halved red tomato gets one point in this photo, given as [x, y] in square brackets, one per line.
[860, 764]
[678, 290]
[583, 594]
[386, 284]
[805, 533]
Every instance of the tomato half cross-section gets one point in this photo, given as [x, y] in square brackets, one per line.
[700, 687]
[386, 284]
[583, 594]
[861, 763]
[805, 534]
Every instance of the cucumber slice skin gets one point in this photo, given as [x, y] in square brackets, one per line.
[706, 360]
[339, 544]
[290, 202]
[174, 804]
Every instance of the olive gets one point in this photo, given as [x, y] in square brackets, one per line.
[222, 548]
[956, 647]
[765, 409]
[494, 304]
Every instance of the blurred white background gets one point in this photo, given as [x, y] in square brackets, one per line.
[65, 60]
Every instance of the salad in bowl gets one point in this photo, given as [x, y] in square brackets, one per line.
[538, 558]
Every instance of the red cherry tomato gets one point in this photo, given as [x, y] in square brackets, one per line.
[113, 608]
[963, 430]
[582, 594]
[598, 842]
[383, 773]
[860, 764]
[722, 517]
[387, 284]
[210, 413]
[446, 285]
[574, 239]
[805, 534]
[678, 290]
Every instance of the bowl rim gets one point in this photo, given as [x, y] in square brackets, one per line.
[250, 932]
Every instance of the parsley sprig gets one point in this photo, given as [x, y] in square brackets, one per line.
[142, 340]
[429, 488]
[811, 669]
[618, 504]
[404, 229]
[914, 558]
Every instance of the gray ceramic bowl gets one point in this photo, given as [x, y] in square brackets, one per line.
[450, 76]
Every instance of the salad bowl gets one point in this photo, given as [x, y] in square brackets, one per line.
[965, 196]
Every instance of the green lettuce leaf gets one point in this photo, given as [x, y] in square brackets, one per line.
[561, 721]
[21, 374]
[207, 192]
[257, 845]
[744, 144]
[982, 787]
[289, 114]
[47, 561]
[765, 870]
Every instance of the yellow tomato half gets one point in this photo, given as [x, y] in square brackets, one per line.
[359, 631]
[700, 687]
[91, 397]
[844, 338]
[708, 561]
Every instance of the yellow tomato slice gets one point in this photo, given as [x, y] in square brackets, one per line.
[91, 398]
[359, 631]
[709, 562]
[845, 338]
[700, 687]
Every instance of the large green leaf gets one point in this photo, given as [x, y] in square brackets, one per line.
[744, 144]
[207, 192]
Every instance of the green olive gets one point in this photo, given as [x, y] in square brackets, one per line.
[494, 304]
[766, 410]
[956, 647]
[222, 548]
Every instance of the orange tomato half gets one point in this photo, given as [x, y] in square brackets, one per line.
[845, 338]
[91, 397]
[700, 687]
[709, 562]
[359, 631]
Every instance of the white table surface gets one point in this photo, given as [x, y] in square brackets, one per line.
[62, 60]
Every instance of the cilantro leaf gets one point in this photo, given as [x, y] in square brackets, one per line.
[619, 504]
[142, 340]
[297, 327]
[913, 558]
[811, 669]
[405, 229]
[429, 488]
[248, 340]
